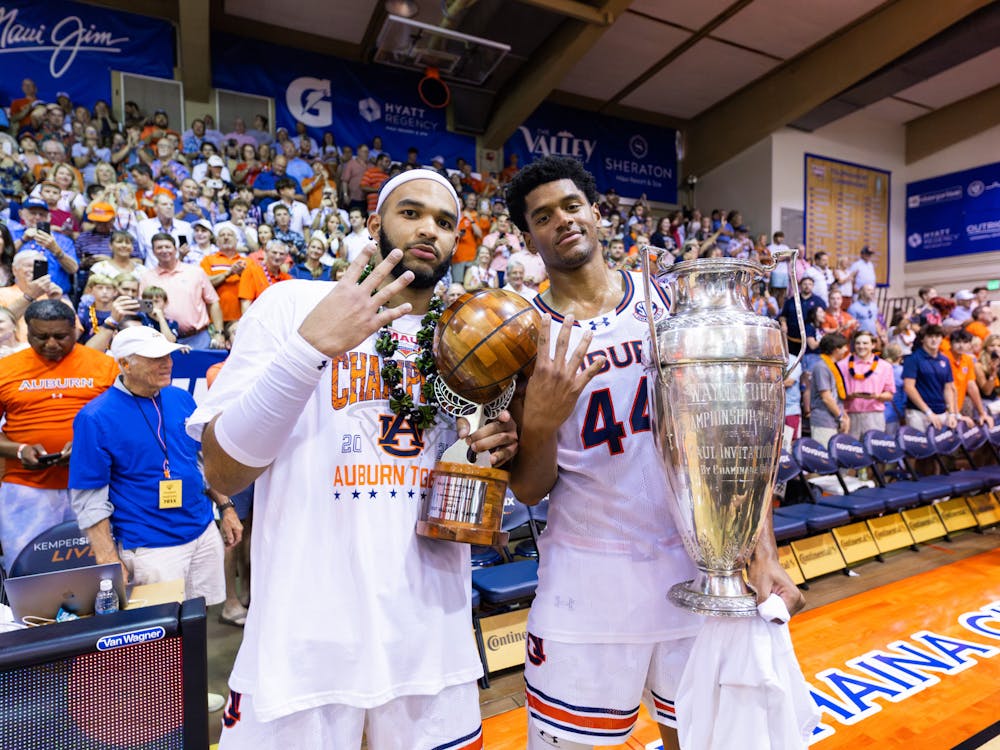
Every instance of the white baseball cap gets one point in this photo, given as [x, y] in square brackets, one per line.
[964, 295]
[141, 340]
[216, 161]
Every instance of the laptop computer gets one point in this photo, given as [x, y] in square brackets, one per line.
[74, 590]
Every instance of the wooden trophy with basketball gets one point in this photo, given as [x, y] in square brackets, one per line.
[482, 342]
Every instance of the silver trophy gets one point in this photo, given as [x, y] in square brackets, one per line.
[716, 372]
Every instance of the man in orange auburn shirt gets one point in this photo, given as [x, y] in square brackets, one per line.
[41, 390]
[259, 276]
[224, 269]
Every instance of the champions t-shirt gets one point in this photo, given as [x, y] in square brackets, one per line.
[116, 446]
[39, 400]
[350, 605]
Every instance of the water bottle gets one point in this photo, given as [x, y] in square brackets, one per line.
[107, 599]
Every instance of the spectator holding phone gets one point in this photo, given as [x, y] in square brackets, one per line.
[31, 282]
[59, 250]
[41, 390]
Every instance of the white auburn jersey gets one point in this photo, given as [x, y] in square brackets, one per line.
[610, 551]
[349, 605]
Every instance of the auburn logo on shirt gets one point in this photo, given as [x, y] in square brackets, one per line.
[398, 437]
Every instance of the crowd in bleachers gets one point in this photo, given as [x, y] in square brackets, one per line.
[144, 223]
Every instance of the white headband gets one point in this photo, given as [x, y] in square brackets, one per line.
[417, 174]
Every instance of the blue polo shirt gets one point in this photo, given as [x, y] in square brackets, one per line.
[267, 181]
[56, 272]
[931, 374]
[114, 446]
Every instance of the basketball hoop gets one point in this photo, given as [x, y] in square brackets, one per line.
[433, 91]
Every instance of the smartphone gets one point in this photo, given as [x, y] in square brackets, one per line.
[44, 226]
[40, 268]
[182, 240]
[48, 459]
[146, 306]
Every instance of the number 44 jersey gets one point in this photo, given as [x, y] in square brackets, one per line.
[610, 551]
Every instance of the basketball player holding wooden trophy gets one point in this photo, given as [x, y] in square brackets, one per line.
[602, 635]
[356, 624]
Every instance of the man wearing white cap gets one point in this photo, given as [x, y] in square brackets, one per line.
[134, 468]
[963, 307]
[343, 586]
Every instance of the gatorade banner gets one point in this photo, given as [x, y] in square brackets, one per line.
[954, 214]
[631, 157]
[72, 47]
[354, 102]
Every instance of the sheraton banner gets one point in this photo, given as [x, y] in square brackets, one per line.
[72, 47]
[954, 214]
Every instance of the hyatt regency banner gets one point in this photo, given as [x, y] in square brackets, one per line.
[954, 214]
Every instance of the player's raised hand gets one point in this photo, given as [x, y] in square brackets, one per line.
[353, 311]
[558, 378]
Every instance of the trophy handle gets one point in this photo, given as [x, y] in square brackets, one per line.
[792, 255]
[645, 251]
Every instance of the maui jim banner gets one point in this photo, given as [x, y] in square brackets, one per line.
[954, 214]
[354, 102]
[72, 47]
[631, 157]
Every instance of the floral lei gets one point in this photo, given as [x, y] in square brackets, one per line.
[850, 367]
[421, 415]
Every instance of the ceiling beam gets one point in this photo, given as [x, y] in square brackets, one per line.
[573, 9]
[537, 79]
[193, 31]
[680, 49]
[949, 125]
[589, 104]
[265, 32]
[808, 80]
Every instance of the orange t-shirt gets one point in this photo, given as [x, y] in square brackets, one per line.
[254, 281]
[978, 328]
[962, 371]
[40, 399]
[229, 289]
[373, 178]
[468, 243]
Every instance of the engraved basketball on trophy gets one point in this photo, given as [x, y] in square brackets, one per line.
[481, 344]
[717, 397]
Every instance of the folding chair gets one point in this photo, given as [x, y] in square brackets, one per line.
[539, 516]
[885, 449]
[504, 587]
[850, 454]
[817, 518]
[965, 440]
[814, 458]
[918, 445]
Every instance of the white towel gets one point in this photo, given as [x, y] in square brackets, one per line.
[742, 686]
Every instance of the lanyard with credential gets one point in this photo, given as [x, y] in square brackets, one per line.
[170, 489]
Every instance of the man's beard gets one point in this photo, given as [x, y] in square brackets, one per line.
[421, 279]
